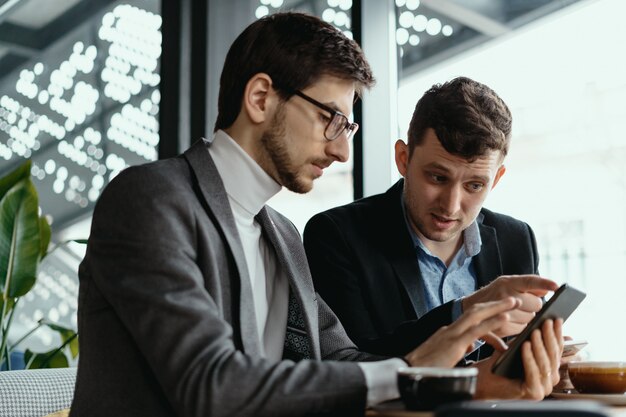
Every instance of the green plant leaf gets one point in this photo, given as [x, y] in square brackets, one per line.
[20, 241]
[10, 303]
[66, 334]
[44, 235]
[74, 347]
[51, 359]
[8, 181]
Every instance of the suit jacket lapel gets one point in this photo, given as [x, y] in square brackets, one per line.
[399, 248]
[214, 194]
[296, 269]
[487, 263]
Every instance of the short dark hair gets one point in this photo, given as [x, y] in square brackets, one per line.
[468, 117]
[295, 50]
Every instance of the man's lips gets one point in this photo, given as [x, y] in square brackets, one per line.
[443, 222]
[319, 167]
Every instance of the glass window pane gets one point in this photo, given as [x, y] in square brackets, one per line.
[565, 170]
[79, 95]
[431, 31]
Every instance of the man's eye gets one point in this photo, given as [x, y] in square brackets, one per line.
[475, 186]
[437, 178]
[324, 118]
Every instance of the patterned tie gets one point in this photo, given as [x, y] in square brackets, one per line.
[297, 345]
[296, 338]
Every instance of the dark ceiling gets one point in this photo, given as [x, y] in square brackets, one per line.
[29, 27]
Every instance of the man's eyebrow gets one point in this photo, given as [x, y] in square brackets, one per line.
[333, 106]
[437, 165]
[443, 168]
[481, 178]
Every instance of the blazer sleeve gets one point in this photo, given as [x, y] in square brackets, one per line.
[335, 268]
[141, 258]
[534, 250]
[334, 342]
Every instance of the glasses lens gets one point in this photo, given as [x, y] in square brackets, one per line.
[336, 126]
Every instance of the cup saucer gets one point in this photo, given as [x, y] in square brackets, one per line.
[610, 399]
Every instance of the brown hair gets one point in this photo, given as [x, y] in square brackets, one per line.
[468, 118]
[295, 50]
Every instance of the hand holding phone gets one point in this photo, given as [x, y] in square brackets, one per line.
[561, 305]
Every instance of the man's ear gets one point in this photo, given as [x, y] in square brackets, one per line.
[258, 98]
[499, 175]
[402, 156]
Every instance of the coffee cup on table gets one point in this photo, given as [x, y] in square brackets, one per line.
[593, 377]
[428, 388]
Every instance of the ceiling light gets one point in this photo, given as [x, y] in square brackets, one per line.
[402, 36]
[434, 26]
[420, 22]
[412, 4]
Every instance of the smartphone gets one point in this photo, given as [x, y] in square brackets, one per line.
[561, 305]
[572, 347]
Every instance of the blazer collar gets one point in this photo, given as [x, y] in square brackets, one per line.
[398, 245]
[487, 264]
[291, 257]
[214, 195]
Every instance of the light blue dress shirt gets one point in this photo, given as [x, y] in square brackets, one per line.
[441, 283]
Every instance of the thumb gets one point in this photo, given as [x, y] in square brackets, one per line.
[497, 343]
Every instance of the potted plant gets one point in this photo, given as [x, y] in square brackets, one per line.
[24, 239]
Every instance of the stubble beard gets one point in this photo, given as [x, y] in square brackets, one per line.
[421, 224]
[273, 141]
[434, 236]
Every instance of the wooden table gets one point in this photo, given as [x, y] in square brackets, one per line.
[396, 409]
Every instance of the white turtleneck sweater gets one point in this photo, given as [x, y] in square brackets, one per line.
[248, 188]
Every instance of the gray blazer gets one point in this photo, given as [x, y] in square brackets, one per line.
[166, 318]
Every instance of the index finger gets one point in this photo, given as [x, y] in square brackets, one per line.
[483, 311]
[534, 284]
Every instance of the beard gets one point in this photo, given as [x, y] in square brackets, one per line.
[274, 143]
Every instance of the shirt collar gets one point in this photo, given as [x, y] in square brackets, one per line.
[471, 235]
[246, 183]
[471, 238]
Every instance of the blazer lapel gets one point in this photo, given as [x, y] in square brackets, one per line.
[487, 263]
[296, 268]
[214, 194]
[400, 250]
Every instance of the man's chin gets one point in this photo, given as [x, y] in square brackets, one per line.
[299, 185]
[439, 236]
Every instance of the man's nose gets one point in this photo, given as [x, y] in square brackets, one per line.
[339, 149]
[450, 199]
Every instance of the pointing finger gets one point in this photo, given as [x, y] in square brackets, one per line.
[534, 284]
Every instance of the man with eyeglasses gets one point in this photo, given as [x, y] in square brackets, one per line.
[196, 298]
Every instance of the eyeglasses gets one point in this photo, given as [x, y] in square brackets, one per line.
[338, 122]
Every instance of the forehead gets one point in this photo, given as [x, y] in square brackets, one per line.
[430, 153]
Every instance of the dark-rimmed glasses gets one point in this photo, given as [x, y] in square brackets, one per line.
[338, 122]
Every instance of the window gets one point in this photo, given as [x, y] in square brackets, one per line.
[565, 170]
[79, 95]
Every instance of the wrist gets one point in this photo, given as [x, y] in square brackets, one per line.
[405, 360]
[465, 303]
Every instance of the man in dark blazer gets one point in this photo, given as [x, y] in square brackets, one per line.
[366, 257]
[196, 298]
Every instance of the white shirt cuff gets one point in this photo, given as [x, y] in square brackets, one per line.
[380, 378]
